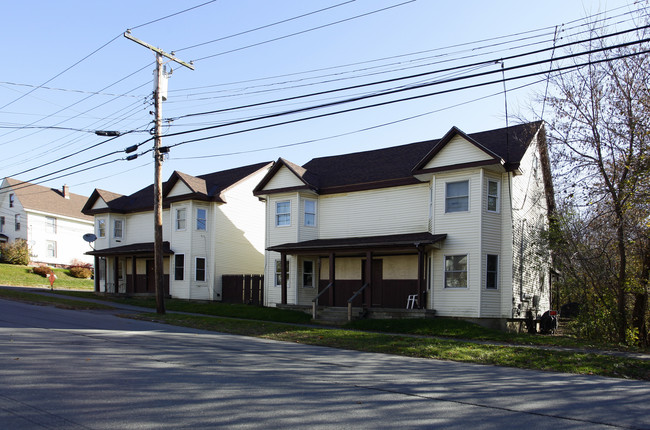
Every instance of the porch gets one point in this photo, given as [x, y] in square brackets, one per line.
[374, 261]
[129, 269]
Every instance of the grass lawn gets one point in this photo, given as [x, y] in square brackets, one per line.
[11, 274]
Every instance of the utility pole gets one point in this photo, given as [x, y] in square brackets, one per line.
[158, 159]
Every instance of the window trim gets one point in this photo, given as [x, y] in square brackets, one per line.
[309, 213]
[496, 197]
[50, 227]
[176, 267]
[448, 198]
[184, 219]
[121, 230]
[17, 222]
[278, 272]
[205, 220]
[2, 224]
[466, 271]
[196, 269]
[278, 214]
[487, 272]
[47, 248]
[12, 200]
[312, 273]
[101, 221]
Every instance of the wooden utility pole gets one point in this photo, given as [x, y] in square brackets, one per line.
[158, 159]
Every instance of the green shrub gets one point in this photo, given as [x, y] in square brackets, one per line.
[42, 270]
[15, 253]
[80, 272]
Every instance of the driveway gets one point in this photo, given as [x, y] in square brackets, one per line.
[93, 370]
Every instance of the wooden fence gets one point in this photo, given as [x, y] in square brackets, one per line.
[247, 289]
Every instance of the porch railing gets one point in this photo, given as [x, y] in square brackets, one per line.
[314, 302]
[354, 296]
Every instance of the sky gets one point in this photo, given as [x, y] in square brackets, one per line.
[68, 71]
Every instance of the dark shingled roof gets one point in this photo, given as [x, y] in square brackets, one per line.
[145, 248]
[208, 187]
[49, 200]
[394, 165]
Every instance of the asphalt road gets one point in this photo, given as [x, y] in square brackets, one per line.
[68, 369]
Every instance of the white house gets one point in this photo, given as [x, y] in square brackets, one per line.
[49, 220]
[212, 226]
[454, 223]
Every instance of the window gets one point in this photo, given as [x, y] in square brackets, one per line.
[456, 271]
[180, 219]
[51, 248]
[457, 196]
[17, 222]
[118, 226]
[50, 224]
[199, 270]
[282, 213]
[308, 273]
[310, 213]
[201, 219]
[179, 267]
[2, 224]
[278, 272]
[101, 228]
[492, 272]
[492, 196]
[12, 198]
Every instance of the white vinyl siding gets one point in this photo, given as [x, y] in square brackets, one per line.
[457, 151]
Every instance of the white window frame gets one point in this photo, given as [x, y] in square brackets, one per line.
[50, 224]
[278, 272]
[176, 267]
[312, 215]
[101, 227]
[449, 199]
[178, 219]
[493, 197]
[2, 224]
[51, 248]
[311, 273]
[454, 271]
[12, 200]
[287, 214]
[488, 272]
[120, 230]
[204, 227]
[17, 222]
[196, 269]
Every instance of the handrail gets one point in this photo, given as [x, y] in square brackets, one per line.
[354, 296]
[314, 301]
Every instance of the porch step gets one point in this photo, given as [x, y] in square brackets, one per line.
[336, 315]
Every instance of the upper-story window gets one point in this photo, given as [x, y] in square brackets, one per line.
[493, 196]
[181, 218]
[118, 228]
[101, 227]
[457, 196]
[201, 219]
[50, 224]
[283, 213]
[2, 224]
[12, 198]
[310, 213]
[17, 222]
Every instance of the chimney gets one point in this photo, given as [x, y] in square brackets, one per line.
[66, 192]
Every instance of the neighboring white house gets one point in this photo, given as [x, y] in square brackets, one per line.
[212, 226]
[49, 220]
[453, 222]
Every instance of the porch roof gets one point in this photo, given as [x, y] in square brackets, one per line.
[349, 244]
[141, 249]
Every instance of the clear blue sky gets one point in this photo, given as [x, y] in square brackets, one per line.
[111, 89]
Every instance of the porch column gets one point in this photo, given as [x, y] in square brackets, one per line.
[97, 271]
[332, 280]
[421, 277]
[368, 291]
[283, 276]
[116, 280]
[134, 275]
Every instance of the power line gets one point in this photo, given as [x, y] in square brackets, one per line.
[173, 14]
